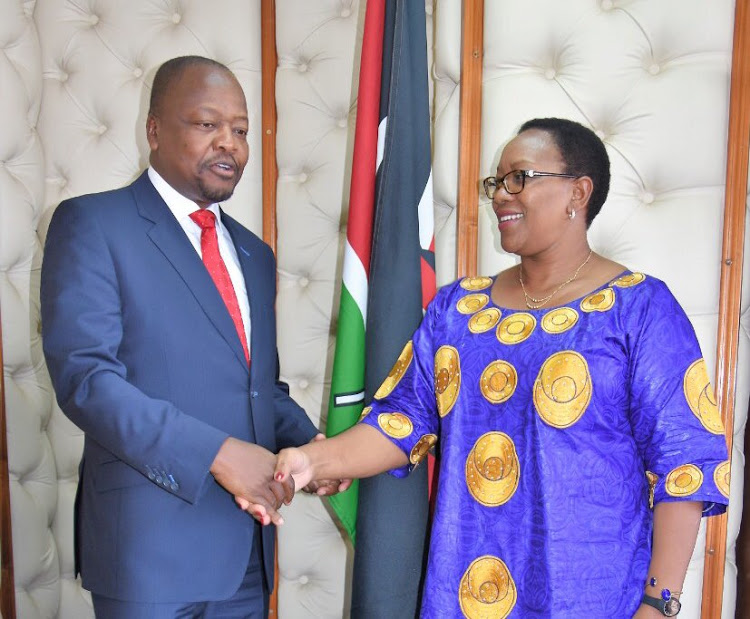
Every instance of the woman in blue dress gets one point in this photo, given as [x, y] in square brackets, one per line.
[578, 435]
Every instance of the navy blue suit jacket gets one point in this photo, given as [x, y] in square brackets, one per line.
[145, 359]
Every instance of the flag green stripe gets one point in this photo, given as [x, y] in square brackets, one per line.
[348, 377]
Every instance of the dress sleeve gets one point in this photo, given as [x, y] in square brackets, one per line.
[673, 412]
[404, 408]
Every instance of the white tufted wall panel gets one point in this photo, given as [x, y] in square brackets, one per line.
[318, 48]
[316, 92]
[75, 97]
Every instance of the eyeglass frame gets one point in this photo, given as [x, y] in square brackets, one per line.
[493, 181]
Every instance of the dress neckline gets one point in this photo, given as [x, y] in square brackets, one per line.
[572, 302]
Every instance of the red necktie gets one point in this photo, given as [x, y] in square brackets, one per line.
[218, 270]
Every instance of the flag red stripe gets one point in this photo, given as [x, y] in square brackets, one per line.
[364, 161]
[428, 283]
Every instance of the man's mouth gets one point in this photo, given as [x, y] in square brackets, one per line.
[225, 169]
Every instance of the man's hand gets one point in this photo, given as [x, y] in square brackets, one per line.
[325, 487]
[246, 470]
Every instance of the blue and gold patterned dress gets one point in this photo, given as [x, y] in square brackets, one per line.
[556, 428]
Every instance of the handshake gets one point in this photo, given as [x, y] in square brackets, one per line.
[261, 481]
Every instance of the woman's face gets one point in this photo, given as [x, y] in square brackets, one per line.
[536, 218]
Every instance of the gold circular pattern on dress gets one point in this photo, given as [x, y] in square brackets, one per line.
[559, 320]
[599, 301]
[485, 320]
[397, 371]
[472, 303]
[721, 478]
[419, 451]
[492, 469]
[475, 283]
[684, 480]
[447, 378]
[396, 425]
[562, 390]
[498, 381]
[626, 281]
[516, 328]
[487, 590]
[365, 411]
[700, 397]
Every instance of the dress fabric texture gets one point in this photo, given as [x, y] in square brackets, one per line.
[556, 429]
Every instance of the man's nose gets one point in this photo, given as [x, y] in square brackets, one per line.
[225, 138]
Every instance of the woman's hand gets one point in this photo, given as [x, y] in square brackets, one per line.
[325, 487]
[295, 462]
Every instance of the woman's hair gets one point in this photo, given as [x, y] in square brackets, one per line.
[583, 153]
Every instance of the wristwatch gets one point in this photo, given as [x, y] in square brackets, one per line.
[666, 605]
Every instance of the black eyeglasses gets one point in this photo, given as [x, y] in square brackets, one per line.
[515, 180]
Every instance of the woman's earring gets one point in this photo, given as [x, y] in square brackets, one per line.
[572, 214]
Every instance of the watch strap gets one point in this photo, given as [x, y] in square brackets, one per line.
[659, 604]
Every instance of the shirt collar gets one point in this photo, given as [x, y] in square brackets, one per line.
[180, 206]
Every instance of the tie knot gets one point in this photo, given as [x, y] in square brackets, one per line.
[204, 218]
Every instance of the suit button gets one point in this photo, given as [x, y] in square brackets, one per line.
[151, 475]
[158, 479]
[253, 394]
[174, 487]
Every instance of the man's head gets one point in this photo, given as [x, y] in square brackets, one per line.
[197, 128]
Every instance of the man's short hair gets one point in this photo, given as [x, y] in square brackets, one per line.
[170, 71]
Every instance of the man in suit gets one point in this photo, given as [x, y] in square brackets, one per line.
[160, 337]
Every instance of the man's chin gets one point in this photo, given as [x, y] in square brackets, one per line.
[217, 194]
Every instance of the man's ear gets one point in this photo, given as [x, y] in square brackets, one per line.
[152, 131]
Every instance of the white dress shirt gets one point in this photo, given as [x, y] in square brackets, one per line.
[181, 208]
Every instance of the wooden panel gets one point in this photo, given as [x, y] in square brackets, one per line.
[472, 42]
[268, 85]
[731, 285]
[269, 63]
[7, 580]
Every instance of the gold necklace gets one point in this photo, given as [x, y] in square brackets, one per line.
[533, 303]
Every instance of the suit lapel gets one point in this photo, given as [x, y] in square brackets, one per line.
[249, 265]
[170, 238]
[246, 247]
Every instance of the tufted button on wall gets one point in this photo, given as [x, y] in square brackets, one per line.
[303, 580]
[346, 12]
[101, 129]
[600, 134]
[63, 76]
[137, 72]
[302, 177]
[654, 69]
[302, 67]
[303, 282]
[647, 198]
[550, 73]
[93, 19]
[607, 5]
[303, 383]
[343, 122]
[176, 18]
